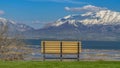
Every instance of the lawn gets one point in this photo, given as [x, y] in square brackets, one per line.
[57, 64]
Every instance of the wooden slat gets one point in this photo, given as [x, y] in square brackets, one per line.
[69, 42]
[58, 51]
[53, 47]
[52, 43]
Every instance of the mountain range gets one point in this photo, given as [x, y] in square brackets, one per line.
[102, 25]
[14, 28]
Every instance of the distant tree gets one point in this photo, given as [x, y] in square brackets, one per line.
[11, 48]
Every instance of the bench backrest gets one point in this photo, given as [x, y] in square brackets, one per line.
[57, 47]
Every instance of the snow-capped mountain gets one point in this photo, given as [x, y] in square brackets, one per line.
[13, 26]
[103, 17]
[99, 25]
[23, 27]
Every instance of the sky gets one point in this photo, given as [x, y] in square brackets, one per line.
[37, 13]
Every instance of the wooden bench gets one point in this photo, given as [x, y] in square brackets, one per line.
[61, 48]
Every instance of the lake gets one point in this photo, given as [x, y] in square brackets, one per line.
[114, 45]
[91, 50]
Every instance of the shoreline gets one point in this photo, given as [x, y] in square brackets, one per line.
[86, 54]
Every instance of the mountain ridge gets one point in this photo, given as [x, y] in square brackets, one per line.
[13, 26]
[105, 17]
[101, 25]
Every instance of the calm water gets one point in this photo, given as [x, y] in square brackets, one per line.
[85, 44]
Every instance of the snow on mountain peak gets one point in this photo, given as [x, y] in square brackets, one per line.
[5, 21]
[66, 17]
[12, 22]
[104, 17]
[87, 14]
[13, 26]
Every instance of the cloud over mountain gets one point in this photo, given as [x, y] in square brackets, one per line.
[87, 8]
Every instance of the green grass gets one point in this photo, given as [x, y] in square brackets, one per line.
[57, 64]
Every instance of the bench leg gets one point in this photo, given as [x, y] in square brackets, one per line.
[43, 51]
[60, 51]
[78, 52]
[43, 57]
[78, 57]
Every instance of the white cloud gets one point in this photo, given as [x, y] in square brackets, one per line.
[70, 1]
[86, 8]
[63, 1]
[1, 12]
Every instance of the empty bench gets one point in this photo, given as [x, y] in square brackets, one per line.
[61, 48]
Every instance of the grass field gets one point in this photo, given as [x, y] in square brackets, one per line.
[57, 64]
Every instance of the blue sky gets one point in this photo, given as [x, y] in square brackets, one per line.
[37, 13]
